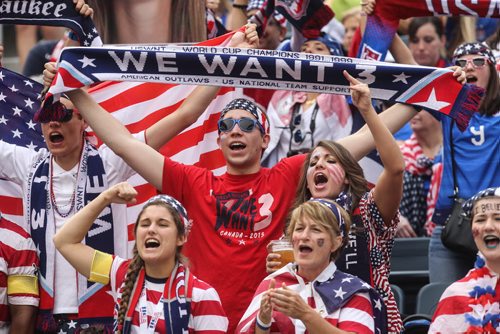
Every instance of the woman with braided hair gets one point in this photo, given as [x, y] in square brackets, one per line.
[153, 291]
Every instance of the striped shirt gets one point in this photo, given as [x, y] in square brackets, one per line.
[356, 315]
[18, 270]
[206, 313]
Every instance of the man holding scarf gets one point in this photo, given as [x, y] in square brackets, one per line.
[58, 181]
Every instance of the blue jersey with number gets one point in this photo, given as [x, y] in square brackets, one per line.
[477, 160]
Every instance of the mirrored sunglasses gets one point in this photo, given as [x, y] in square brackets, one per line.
[246, 124]
[59, 113]
[476, 62]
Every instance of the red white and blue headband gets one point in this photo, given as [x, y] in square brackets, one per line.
[247, 105]
[177, 206]
[474, 49]
[336, 212]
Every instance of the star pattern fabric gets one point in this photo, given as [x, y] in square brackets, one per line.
[19, 100]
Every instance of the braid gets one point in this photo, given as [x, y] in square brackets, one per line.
[133, 270]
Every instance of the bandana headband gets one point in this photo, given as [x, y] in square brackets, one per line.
[170, 201]
[472, 49]
[333, 46]
[336, 212]
[488, 192]
[249, 106]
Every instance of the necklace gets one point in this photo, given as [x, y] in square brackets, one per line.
[53, 196]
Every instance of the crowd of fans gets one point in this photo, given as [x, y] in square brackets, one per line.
[292, 171]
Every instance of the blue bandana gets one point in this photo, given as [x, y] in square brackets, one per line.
[336, 212]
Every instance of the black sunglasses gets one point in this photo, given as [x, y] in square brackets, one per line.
[58, 113]
[476, 62]
[246, 124]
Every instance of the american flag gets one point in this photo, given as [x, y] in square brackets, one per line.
[137, 105]
[19, 99]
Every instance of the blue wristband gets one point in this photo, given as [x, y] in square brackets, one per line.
[263, 326]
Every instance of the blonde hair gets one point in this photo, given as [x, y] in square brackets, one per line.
[322, 215]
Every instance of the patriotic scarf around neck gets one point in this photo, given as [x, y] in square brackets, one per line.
[91, 180]
[176, 300]
[425, 87]
[382, 25]
[50, 13]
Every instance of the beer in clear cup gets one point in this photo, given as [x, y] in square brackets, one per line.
[283, 248]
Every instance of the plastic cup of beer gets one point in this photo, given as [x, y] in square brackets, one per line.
[283, 248]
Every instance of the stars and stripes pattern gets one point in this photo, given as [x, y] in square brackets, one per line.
[137, 105]
[470, 305]
[341, 299]
[19, 100]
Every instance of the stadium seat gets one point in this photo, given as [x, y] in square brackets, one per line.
[410, 259]
[399, 295]
[428, 297]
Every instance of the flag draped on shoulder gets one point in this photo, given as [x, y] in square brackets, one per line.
[50, 13]
[426, 87]
[382, 25]
[19, 100]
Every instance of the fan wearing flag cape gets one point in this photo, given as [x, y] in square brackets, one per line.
[311, 295]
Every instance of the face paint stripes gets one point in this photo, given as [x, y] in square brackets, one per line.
[337, 173]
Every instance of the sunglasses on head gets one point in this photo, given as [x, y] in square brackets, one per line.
[59, 113]
[476, 62]
[246, 124]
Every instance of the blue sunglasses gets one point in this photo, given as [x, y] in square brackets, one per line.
[246, 124]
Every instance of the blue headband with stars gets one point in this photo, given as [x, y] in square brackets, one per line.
[336, 212]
